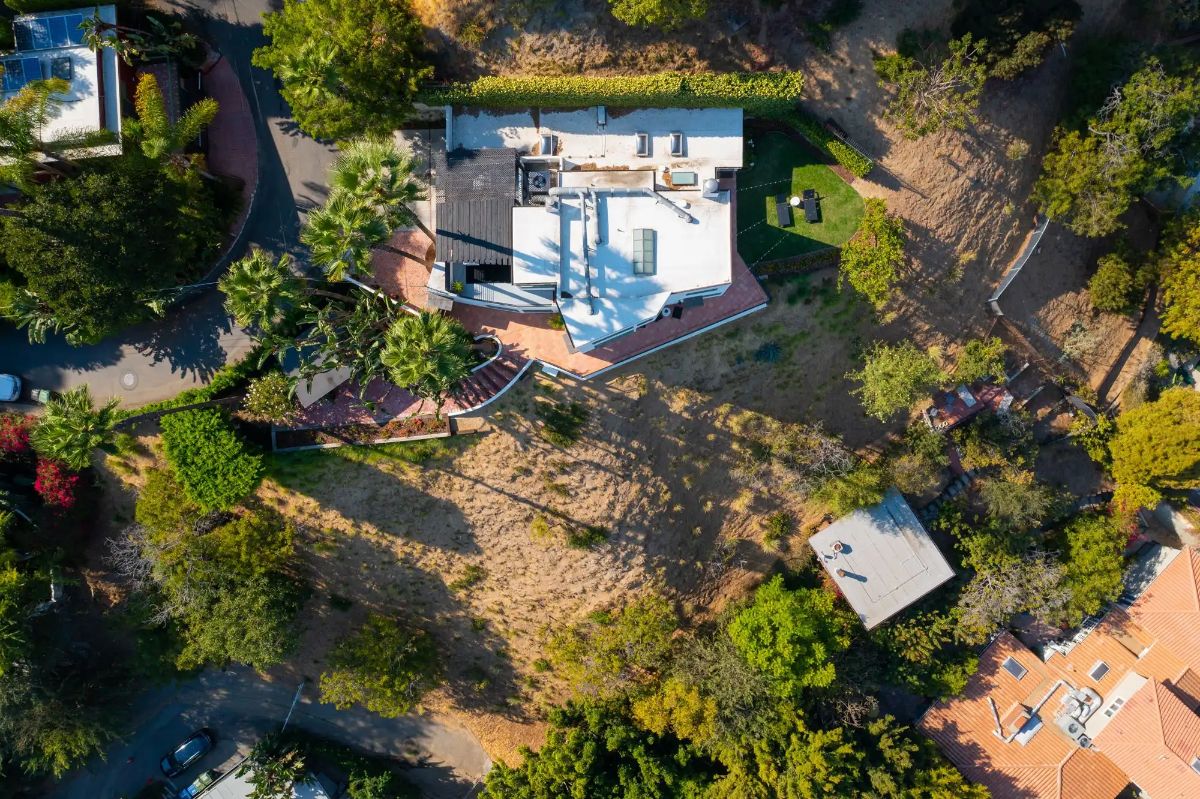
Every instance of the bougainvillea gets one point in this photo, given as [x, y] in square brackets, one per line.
[55, 484]
[14, 433]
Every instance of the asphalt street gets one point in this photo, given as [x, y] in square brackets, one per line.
[237, 706]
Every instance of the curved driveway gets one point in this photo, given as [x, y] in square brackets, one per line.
[156, 360]
[238, 707]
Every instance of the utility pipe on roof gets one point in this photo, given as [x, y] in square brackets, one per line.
[580, 191]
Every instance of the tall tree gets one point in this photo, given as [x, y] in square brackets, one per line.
[661, 14]
[1089, 179]
[273, 767]
[22, 119]
[1157, 449]
[341, 234]
[260, 290]
[382, 666]
[1179, 270]
[871, 261]
[1018, 32]
[158, 137]
[791, 636]
[894, 377]
[73, 426]
[933, 94]
[1094, 564]
[374, 170]
[364, 77]
[428, 353]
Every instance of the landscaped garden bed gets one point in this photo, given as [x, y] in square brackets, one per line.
[408, 429]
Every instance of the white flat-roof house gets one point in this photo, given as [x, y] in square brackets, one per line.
[50, 45]
[881, 558]
[610, 217]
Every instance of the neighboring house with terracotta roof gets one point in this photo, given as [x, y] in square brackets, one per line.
[1113, 706]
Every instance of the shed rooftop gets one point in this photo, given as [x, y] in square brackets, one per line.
[888, 559]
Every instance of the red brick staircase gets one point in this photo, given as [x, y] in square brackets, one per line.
[487, 383]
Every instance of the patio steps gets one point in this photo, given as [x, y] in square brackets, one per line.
[487, 383]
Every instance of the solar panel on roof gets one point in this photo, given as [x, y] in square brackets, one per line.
[58, 31]
[32, 67]
[44, 33]
[74, 28]
[40, 30]
[14, 75]
[23, 36]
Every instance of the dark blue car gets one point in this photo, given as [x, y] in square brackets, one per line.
[190, 749]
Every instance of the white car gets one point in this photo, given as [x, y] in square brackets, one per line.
[10, 388]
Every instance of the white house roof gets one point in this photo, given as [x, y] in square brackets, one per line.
[51, 45]
[712, 137]
[887, 560]
[687, 255]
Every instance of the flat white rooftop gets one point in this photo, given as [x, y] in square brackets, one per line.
[638, 253]
[50, 45]
[712, 137]
[887, 558]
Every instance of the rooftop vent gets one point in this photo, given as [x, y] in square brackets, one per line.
[677, 144]
[549, 144]
[710, 187]
[642, 143]
[601, 115]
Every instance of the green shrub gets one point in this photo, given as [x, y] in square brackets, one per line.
[776, 527]
[586, 537]
[562, 423]
[209, 459]
[473, 575]
[854, 161]
[859, 488]
[1112, 287]
[756, 92]
[383, 666]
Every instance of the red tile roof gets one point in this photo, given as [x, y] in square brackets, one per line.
[1150, 740]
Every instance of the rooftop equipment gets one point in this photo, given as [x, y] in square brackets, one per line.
[677, 144]
[601, 115]
[549, 144]
[642, 140]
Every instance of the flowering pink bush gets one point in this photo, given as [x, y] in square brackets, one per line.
[55, 484]
[14, 433]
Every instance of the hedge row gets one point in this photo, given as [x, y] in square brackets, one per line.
[808, 262]
[857, 163]
[756, 92]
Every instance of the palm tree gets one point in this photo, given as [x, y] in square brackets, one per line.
[72, 427]
[428, 353]
[158, 138]
[341, 234]
[375, 170]
[259, 290]
[310, 74]
[273, 768]
[28, 311]
[23, 152]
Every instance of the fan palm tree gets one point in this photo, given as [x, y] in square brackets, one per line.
[341, 234]
[159, 139]
[375, 170]
[310, 74]
[72, 427]
[259, 290]
[428, 353]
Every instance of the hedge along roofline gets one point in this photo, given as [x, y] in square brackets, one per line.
[758, 92]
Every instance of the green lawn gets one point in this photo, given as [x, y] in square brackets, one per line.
[769, 163]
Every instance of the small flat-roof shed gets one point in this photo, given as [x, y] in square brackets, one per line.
[881, 558]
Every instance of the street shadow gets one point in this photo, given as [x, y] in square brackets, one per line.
[188, 341]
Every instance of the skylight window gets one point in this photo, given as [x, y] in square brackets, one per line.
[643, 251]
[1114, 707]
[1099, 670]
[1014, 668]
[677, 144]
[1196, 764]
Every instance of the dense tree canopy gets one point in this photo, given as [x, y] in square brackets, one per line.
[660, 14]
[1179, 271]
[1156, 449]
[1093, 553]
[792, 637]
[382, 666]
[1112, 286]
[348, 67]
[430, 354]
[1018, 32]
[894, 377]
[981, 358]
[95, 248]
[1090, 178]
[871, 261]
[72, 427]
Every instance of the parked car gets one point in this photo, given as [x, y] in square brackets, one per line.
[189, 750]
[203, 781]
[10, 388]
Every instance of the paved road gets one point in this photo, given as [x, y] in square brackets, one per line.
[184, 350]
[238, 707]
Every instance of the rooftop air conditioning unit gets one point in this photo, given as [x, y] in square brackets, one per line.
[539, 182]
